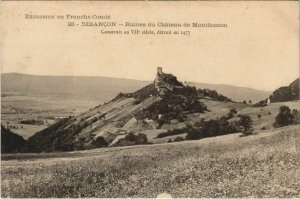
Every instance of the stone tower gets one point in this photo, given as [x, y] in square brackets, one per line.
[159, 71]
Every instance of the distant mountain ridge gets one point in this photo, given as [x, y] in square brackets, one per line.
[105, 88]
[236, 93]
[99, 88]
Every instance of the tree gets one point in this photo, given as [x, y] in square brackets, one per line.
[246, 123]
[284, 117]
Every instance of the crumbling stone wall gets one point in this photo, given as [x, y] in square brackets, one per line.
[165, 82]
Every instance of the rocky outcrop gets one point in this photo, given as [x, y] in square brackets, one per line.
[164, 83]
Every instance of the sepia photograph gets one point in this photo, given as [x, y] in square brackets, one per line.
[151, 99]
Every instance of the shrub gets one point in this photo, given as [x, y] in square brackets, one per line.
[262, 103]
[259, 116]
[171, 107]
[171, 132]
[284, 118]
[246, 123]
[100, 142]
[211, 128]
[32, 122]
[178, 139]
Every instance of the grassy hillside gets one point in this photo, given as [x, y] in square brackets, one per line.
[263, 165]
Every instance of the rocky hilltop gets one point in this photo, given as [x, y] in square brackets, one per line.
[165, 83]
[126, 119]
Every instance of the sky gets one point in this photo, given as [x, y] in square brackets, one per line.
[259, 48]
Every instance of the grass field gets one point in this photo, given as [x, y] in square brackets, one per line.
[262, 165]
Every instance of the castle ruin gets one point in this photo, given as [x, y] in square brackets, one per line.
[165, 82]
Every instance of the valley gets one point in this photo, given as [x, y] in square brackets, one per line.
[197, 99]
[17, 107]
[81, 119]
[165, 137]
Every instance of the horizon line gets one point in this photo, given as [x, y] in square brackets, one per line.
[224, 84]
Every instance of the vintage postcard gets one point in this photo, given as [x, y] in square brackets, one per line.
[150, 99]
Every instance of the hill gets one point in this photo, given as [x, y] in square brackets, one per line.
[165, 102]
[258, 166]
[47, 98]
[104, 88]
[286, 93]
[153, 114]
[283, 94]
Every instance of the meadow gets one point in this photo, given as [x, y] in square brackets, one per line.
[261, 165]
